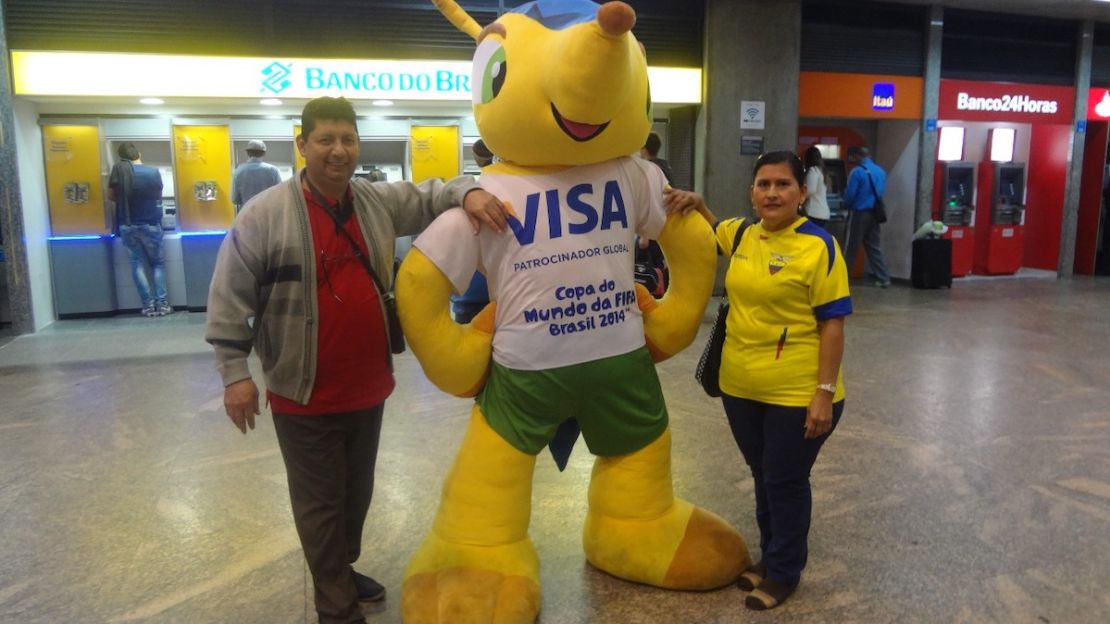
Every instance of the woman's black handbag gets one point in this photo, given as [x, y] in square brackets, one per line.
[708, 372]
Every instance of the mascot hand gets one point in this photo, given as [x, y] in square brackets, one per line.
[455, 357]
[671, 323]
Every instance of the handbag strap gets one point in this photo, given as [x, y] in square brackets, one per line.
[740, 234]
[872, 181]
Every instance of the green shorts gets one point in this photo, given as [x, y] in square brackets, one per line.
[617, 401]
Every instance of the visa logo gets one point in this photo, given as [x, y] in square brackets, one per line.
[578, 199]
[882, 96]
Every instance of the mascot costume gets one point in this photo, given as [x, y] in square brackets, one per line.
[561, 97]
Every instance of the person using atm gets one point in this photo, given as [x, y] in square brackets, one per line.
[866, 183]
[137, 191]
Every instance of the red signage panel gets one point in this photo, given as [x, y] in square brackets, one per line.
[1098, 104]
[966, 100]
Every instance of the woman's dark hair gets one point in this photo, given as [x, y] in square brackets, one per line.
[782, 156]
[326, 108]
[812, 158]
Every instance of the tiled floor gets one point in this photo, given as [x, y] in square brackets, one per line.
[968, 482]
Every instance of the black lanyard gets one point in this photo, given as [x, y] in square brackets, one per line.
[341, 212]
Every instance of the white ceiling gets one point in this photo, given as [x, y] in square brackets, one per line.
[1096, 10]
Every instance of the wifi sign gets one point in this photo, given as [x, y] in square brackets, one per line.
[752, 114]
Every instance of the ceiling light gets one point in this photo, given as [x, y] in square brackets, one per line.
[270, 102]
[382, 102]
[152, 101]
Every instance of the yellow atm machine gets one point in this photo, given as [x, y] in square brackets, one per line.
[202, 180]
[298, 160]
[435, 152]
[80, 243]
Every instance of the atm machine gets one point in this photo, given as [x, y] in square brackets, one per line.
[955, 181]
[1000, 244]
[836, 177]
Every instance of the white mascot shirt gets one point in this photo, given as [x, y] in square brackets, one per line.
[562, 276]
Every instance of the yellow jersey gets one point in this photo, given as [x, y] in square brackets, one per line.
[779, 285]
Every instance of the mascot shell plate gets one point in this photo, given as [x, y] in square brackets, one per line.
[568, 345]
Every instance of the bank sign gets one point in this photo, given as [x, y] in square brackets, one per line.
[1098, 104]
[163, 75]
[999, 101]
[402, 80]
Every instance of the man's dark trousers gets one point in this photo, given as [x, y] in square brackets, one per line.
[329, 462]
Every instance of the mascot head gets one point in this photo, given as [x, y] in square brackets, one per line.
[558, 82]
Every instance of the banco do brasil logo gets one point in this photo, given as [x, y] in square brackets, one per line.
[275, 77]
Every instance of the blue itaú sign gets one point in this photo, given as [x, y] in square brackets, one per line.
[882, 96]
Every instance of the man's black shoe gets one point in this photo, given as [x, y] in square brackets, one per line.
[368, 589]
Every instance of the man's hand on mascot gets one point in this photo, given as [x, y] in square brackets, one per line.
[482, 207]
[241, 403]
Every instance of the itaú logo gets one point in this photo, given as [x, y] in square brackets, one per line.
[882, 96]
[1006, 104]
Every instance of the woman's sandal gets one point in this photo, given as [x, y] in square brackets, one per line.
[768, 595]
[752, 577]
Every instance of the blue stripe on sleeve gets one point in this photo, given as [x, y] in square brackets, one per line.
[833, 309]
[811, 228]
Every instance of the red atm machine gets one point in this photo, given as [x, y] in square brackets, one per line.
[1000, 213]
[956, 182]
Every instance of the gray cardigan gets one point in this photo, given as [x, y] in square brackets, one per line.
[263, 292]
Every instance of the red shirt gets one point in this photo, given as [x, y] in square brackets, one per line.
[352, 356]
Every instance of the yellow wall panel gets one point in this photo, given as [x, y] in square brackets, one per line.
[298, 160]
[435, 152]
[74, 184]
[202, 176]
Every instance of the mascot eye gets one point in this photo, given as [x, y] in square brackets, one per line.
[488, 71]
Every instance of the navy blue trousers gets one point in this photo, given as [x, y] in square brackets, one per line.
[772, 440]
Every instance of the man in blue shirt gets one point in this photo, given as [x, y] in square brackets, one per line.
[253, 176]
[866, 183]
[137, 191]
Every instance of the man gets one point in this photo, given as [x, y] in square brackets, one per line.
[293, 281]
[253, 176]
[137, 191]
[650, 151]
[866, 183]
[467, 305]
[651, 269]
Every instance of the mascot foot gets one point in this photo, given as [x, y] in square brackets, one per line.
[460, 584]
[686, 548]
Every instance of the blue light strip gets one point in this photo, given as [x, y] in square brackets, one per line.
[80, 237]
[205, 233]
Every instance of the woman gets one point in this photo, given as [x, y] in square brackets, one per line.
[780, 369]
[816, 205]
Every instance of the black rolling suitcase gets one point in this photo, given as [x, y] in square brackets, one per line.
[931, 265]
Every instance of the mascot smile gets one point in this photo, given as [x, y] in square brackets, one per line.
[568, 346]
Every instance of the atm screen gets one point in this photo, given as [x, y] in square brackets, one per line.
[835, 175]
[1011, 184]
[961, 183]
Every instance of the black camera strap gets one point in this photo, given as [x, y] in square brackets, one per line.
[341, 212]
